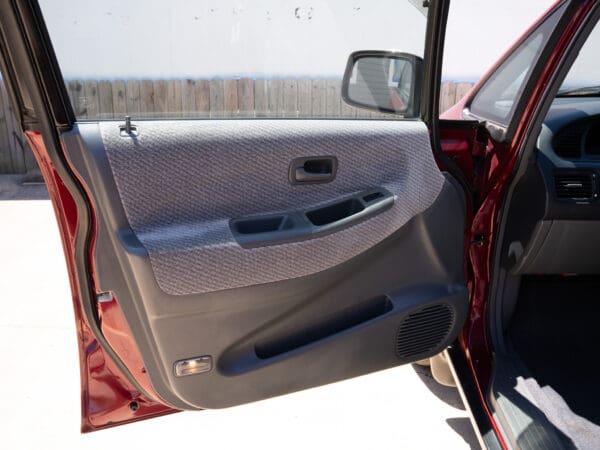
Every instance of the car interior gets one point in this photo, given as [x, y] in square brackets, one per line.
[254, 258]
[544, 309]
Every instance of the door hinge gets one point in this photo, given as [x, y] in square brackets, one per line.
[478, 240]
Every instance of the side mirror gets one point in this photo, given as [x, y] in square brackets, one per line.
[388, 82]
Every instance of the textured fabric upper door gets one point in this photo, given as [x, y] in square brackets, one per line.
[215, 250]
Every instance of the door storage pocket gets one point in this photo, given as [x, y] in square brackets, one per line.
[329, 326]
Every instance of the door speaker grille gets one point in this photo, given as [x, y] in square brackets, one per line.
[424, 330]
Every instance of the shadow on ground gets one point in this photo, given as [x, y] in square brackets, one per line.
[461, 425]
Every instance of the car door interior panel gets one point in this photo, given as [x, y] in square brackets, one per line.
[277, 255]
[335, 224]
[181, 183]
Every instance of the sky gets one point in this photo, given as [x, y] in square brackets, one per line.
[113, 39]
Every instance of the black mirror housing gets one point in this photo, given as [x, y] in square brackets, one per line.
[383, 81]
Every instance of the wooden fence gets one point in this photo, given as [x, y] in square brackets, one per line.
[285, 98]
[15, 155]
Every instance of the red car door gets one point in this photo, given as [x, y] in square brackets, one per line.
[223, 261]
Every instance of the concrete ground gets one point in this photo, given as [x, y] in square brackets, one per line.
[401, 408]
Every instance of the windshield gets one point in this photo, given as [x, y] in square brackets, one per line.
[584, 77]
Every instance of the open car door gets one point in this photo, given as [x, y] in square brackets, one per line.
[216, 262]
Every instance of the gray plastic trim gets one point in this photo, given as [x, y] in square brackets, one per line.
[296, 226]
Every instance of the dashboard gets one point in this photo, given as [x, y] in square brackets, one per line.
[568, 153]
[554, 217]
[575, 126]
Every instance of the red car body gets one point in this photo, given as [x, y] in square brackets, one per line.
[500, 164]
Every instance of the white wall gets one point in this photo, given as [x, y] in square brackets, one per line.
[187, 38]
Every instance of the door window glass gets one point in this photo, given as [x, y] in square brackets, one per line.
[226, 58]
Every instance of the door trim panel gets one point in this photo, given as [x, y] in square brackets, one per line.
[425, 255]
[182, 182]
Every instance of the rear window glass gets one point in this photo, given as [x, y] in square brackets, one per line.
[215, 59]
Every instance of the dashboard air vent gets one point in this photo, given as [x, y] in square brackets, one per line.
[574, 185]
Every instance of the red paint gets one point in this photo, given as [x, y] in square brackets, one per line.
[460, 145]
[116, 332]
[499, 164]
[106, 395]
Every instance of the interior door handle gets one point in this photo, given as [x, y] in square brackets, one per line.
[302, 175]
[307, 170]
